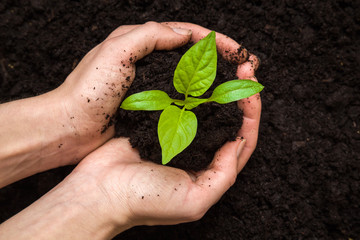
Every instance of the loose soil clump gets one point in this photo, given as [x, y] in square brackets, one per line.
[217, 123]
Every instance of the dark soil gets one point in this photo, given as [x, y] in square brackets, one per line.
[302, 182]
[216, 123]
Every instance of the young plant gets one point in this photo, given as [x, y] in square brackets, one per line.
[193, 76]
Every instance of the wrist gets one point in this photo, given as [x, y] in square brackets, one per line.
[69, 211]
[90, 212]
[38, 134]
[29, 136]
[77, 133]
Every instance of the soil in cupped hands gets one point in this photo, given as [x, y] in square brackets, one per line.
[217, 123]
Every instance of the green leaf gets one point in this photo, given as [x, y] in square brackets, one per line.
[148, 100]
[235, 90]
[179, 102]
[176, 130]
[196, 69]
[191, 102]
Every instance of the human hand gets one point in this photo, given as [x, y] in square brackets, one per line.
[138, 192]
[62, 126]
[94, 90]
[112, 190]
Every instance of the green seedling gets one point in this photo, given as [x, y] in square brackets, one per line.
[193, 76]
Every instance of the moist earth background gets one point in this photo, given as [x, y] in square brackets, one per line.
[302, 181]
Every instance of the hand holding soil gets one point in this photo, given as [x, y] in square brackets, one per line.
[112, 189]
[61, 127]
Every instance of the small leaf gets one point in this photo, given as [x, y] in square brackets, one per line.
[179, 102]
[148, 100]
[196, 69]
[235, 90]
[191, 102]
[176, 130]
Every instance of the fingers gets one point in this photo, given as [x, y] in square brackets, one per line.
[227, 47]
[115, 151]
[252, 110]
[248, 68]
[133, 43]
[122, 30]
[248, 64]
[220, 176]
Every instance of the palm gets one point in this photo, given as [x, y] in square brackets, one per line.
[153, 192]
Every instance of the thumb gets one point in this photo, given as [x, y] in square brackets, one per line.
[146, 38]
[227, 159]
[220, 175]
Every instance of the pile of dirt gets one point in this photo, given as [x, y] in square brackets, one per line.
[303, 179]
[217, 123]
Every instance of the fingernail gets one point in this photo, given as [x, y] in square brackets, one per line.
[182, 31]
[240, 146]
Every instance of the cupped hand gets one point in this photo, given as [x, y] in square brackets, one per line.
[150, 194]
[64, 125]
[92, 93]
[134, 192]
